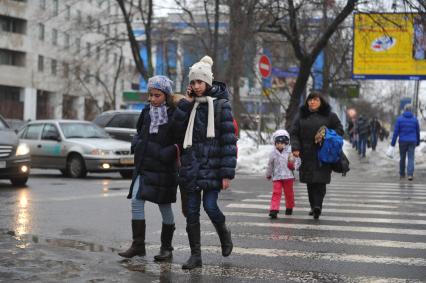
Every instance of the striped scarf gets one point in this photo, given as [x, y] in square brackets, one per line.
[158, 117]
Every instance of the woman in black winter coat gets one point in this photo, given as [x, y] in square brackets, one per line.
[209, 154]
[155, 175]
[314, 114]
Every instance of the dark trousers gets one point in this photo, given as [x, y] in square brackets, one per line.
[209, 204]
[316, 194]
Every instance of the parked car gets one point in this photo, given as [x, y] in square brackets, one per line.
[75, 148]
[14, 156]
[120, 124]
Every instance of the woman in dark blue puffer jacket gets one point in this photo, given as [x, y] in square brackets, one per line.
[155, 175]
[209, 154]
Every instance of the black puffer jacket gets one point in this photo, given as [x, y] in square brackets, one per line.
[209, 160]
[303, 133]
[155, 160]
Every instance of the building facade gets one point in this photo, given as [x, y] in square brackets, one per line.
[62, 59]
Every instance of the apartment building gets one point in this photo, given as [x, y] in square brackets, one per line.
[60, 59]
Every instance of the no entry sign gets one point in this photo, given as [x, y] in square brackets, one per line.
[265, 67]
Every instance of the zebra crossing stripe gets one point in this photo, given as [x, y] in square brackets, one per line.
[241, 273]
[379, 194]
[401, 201]
[349, 204]
[339, 218]
[351, 211]
[325, 240]
[322, 227]
[365, 197]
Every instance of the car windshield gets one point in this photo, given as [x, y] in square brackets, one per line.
[82, 130]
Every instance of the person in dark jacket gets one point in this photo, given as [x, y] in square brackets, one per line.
[363, 131]
[209, 155]
[313, 116]
[375, 128]
[155, 175]
[407, 129]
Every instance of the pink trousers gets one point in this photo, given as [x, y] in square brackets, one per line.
[278, 187]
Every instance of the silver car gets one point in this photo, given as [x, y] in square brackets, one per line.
[75, 148]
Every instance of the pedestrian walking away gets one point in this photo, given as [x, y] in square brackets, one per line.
[407, 131]
[155, 174]
[363, 131]
[208, 157]
[375, 128]
[306, 135]
[280, 169]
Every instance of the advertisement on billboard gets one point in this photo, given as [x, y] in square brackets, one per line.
[389, 46]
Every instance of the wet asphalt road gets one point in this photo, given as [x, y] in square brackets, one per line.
[373, 229]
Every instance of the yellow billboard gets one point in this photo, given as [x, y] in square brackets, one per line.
[389, 46]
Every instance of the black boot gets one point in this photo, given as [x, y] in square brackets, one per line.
[273, 214]
[317, 212]
[138, 244]
[194, 261]
[166, 242]
[225, 238]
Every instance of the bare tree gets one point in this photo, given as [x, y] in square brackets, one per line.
[295, 21]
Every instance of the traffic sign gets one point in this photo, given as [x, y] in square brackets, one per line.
[265, 67]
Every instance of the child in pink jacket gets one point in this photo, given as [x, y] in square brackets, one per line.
[280, 169]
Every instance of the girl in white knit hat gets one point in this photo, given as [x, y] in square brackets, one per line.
[209, 154]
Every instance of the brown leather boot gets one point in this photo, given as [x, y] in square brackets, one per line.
[138, 245]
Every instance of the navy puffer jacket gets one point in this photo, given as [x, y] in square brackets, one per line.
[155, 160]
[209, 160]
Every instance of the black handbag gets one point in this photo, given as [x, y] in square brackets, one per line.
[341, 166]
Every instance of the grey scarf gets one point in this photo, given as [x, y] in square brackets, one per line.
[158, 117]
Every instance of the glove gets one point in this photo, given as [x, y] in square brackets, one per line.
[319, 136]
[290, 165]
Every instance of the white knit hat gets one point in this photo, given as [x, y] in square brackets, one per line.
[202, 70]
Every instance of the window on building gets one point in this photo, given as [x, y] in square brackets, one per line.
[54, 36]
[79, 16]
[42, 4]
[122, 84]
[66, 41]
[108, 29]
[88, 49]
[55, 7]
[87, 76]
[66, 69]
[53, 67]
[13, 58]
[106, 56]
[40, 64]
[89, 22]
[97, 77]
[98, 23]
[116, 32]
[98, 53]
[14, 25]
[77, 72]
[41, 31]
[67, 12]
[77, 45]
[115, 58]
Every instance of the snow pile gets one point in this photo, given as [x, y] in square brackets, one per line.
[253, 160]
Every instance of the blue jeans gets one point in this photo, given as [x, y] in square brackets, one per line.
[209, 204]
[373, 141]
[406, 149]
[138, 207]
[362, 146]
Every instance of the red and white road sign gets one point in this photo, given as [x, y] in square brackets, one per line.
[265, 67]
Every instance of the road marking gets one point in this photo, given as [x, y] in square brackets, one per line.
[322, 227]
[366, 198]
[338, 218]
[342, 210]
[239, 274]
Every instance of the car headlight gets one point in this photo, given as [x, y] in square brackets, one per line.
[98, 151]
[22, 149]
